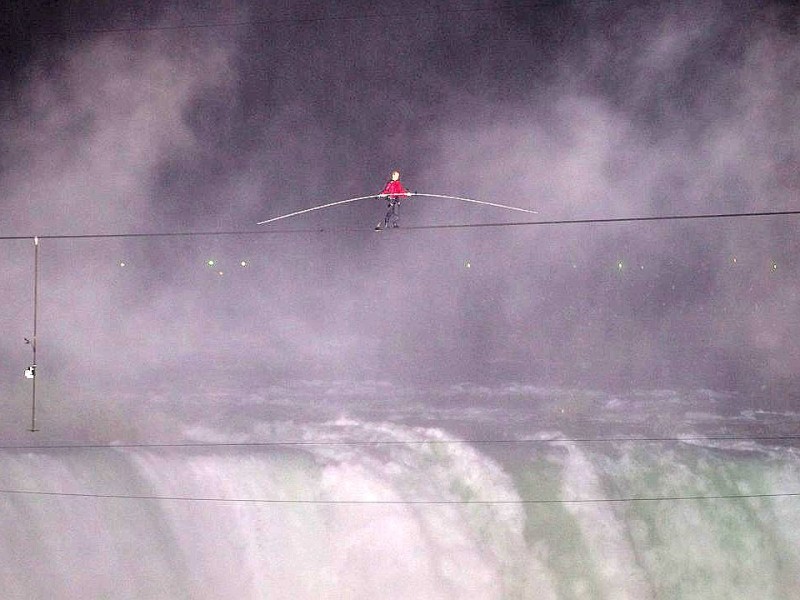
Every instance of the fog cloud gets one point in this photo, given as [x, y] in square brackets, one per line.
[578, 112]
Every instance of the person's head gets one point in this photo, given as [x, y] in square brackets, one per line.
[395, 175]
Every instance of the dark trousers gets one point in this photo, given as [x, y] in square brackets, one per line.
[392, 217]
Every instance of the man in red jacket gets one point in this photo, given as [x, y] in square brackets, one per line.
[393, 191]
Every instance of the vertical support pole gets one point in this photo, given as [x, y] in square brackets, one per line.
[35, 324]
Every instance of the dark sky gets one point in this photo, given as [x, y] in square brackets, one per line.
[122, 118]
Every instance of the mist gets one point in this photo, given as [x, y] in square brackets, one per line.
[576, 111]
[477, 404]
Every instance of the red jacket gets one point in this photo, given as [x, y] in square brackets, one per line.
[394, 189]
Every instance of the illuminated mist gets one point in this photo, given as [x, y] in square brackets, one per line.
[144, 119]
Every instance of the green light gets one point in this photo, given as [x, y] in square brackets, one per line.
[243, 263]
[211, 262]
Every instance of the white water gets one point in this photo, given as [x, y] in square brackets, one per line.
[87, 547]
